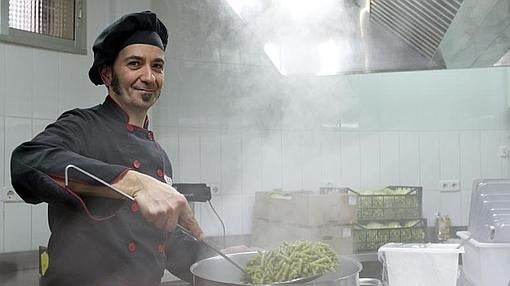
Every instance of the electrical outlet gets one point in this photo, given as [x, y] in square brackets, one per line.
[9, 195]
[215, 190]
[449, 185]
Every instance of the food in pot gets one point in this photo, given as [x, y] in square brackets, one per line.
[291, 260]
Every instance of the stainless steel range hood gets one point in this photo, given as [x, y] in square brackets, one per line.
[421, 24]
[360, 36]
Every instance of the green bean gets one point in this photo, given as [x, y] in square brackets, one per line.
[289, 261]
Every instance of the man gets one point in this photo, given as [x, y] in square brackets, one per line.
[97, 236]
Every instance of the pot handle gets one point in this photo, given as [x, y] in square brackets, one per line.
[369, 282]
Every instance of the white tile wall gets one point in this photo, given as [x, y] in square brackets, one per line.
[370, 160]
[17, 227]
[210, 158]
[2, 167]
[470, 158]
[246, 218]
[311, 160]
[40, 229]
[431, 204]
[331, 156]
[390, 167]
[430, 173]
[46, 71]
[351, 160]
[292, 160]
[17, 130]
[231, 164]
[232, 213]
[450, 155]
[3, 156]
[490, 161]
[2, 80]
[2, 222]
[251, 164]
[189, 155]
[208, 220]
[272, 154]
[465, 206]
[409, 160]
[71, 68]
[18, 93]
[451, 205]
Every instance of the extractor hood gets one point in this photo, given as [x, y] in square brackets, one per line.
[327, 37]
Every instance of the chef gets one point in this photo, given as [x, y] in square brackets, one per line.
[99, 237]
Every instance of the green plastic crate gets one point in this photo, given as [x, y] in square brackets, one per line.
[370, 239]
[390, 206]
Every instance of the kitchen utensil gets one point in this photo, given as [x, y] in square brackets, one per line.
[216, 271]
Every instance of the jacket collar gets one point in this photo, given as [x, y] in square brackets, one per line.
[118, 112]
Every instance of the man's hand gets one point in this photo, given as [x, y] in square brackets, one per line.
[160, 204]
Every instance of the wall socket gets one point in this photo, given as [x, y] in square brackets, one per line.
[449, 186]
[9, 195]
[215, 190]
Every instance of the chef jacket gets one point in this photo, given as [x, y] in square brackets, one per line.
[97, 240]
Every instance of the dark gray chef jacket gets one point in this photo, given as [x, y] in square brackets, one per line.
[95, 240]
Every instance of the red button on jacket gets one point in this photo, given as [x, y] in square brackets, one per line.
[160, 173]
[136, 164]
[130, 128]
[135, 207]
[132, 247]
[161, 248]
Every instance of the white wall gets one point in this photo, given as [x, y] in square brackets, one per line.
[229, 119]
[35, 87]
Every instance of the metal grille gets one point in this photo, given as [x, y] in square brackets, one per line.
[49, 17]
[420, 23]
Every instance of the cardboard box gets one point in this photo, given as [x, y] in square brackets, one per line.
[306, 208]
[267, 235]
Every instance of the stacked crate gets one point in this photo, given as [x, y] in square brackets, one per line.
[393, 216]
[300, 215]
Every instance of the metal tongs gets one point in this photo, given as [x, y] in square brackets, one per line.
[180, 227]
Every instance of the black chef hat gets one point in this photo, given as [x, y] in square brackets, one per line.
[136, 28]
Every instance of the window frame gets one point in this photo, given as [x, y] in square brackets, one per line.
[76, 46]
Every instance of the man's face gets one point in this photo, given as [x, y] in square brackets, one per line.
[137, 76]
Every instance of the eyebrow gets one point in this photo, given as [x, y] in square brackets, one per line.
[139, 58]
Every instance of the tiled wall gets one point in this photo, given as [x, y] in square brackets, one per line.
[35, 87]
[229, 119]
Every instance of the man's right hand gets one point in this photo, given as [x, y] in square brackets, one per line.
[160, 204]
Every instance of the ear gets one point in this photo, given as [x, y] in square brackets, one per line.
[106, 75]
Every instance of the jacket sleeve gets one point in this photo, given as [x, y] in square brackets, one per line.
[38, 165]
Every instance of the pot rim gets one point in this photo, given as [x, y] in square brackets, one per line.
[340, 258]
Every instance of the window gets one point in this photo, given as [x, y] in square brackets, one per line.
[51, 24]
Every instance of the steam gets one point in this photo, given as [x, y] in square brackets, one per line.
[303, 37]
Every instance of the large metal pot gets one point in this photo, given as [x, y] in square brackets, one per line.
[216, 271]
